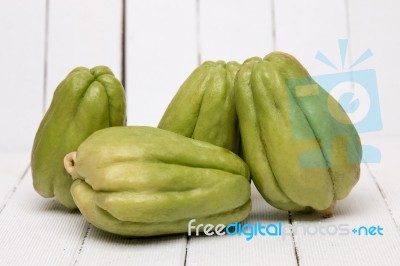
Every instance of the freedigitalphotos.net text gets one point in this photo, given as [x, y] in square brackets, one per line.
[280, 230]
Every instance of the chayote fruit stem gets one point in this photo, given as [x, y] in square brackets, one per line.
[69, 165]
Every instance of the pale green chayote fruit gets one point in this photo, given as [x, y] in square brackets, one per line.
[204, 106]
[301, 147]
[85, 101]
[143, 181]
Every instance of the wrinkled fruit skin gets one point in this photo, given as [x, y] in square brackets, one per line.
[300, 156]
[142, 181]
[204, 108]
[85, 101]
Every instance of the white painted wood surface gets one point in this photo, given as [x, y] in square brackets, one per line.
[234, 30]
[41, 41]
[236, 250]
[305, 27]
[373, 26]
[22, 48]
[161, 52]
[82, 33]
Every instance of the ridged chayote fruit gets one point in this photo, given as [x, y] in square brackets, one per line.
[142, 181]
[85, 101]
[302, 149]
[204, 108]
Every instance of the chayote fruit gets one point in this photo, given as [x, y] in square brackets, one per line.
[143, 181]
[204, 108]
[85, 101]
[301, 147]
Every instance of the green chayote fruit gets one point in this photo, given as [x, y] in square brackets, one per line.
[85, 101]
[301, 147]
[204, 108]
[143, 181]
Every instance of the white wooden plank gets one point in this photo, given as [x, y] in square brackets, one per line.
[235, 250]
[386, 175]
[83, 33]
[161, 53]
[37, 231]
[167, 250]
[235, 30]
[22, 30]
[305, 27]
[374, 26]
[363, 207]
[12, 168]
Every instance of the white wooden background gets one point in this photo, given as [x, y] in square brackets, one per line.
[153, 46]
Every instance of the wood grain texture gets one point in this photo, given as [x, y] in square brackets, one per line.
[363, 207]
[82, 33]
[38, 231]
[161, 53]
[14, 166]
[22, 29]
[235, 30]
[385, 175]
[305, 27]
[102, 248]
[374, 26]
[236, 250]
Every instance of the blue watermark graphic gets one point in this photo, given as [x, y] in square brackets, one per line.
[278, 229]
[357, 94]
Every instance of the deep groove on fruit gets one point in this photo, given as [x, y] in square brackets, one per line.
[383, 195]
[296, 251]
[15, 188]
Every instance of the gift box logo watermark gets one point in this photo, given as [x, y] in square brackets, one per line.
[357, 93]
